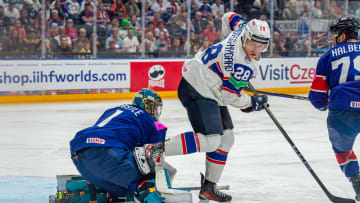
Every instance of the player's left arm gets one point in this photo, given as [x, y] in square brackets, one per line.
[318, 95]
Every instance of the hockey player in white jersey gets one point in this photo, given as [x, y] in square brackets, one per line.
[213, 79]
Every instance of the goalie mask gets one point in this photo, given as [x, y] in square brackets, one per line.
[149, 101]
[257, 31]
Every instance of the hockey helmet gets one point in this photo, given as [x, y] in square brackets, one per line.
[346, 25]
[149, 101]
[257, 31]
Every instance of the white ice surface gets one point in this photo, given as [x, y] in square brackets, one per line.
[261, 167]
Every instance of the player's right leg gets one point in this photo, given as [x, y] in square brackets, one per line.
[343, 127]
[206, 119]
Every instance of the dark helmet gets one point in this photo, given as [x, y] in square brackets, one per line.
[346, 25]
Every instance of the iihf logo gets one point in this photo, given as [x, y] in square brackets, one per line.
[156, 74]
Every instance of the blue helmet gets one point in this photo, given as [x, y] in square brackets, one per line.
[149, 101]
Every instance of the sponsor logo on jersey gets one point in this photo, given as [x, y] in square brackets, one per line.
[95, 140]
[355, 104]
[156, 74]
[229, 49]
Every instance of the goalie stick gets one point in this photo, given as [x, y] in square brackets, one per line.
[332, 197]
[220, 187]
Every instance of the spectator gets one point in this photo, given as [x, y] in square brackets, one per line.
[167, 15]
[162, 41]
[47, 9]
[149, 14]
[70, 30]
[204, 45]
[131, 43]
[132, 8]
[334, 10]
[217, 9]
[118, 10]
[83, 4]
[53, 32]
[180, 14]
[199, 23]
[175, 7]
[150, 42]
[150, 47]
[11, 11]
[205, 8]
[159, 7]
[73, 8]
[317, 10]
[25, 20]
[210, 33]
[113, 47]
[60, 7]
[32, 42]
[103, 18]
[63, 50]
[4, 18]
[82, 41]
[161, 28]
[177, 49]
[135, 24]
[55, 18]
[194, 10]
[87, 15]
[15, 43]
[123, 29]
[21, 31]
[61, 33]
[156, 20]
[115, 36]
[150, 28]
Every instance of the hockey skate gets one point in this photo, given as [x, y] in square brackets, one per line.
[355, 180]
[209, 191]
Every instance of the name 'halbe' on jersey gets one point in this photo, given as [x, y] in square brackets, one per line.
[337, 51]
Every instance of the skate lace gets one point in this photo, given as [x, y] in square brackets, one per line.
[218, 192]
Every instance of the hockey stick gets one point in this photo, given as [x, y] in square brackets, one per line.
[283, 95]
[332, 197]
[220, 187]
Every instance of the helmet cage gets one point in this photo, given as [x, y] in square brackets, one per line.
[149, 101]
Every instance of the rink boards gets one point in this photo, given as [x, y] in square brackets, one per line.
[32, 81]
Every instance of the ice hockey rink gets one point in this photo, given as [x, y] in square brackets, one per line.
[261, 167]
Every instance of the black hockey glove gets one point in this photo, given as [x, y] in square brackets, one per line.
[257, 103]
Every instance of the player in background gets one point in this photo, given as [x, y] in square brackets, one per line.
[337, 87]
[110, 154]
[213, 79]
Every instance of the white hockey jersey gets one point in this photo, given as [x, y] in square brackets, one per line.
[223, 70]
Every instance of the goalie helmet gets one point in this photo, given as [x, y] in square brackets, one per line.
[257, 31]
[346, 25]
[150, 101]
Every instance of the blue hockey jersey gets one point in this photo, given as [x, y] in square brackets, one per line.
[126, 126]
[338, 71]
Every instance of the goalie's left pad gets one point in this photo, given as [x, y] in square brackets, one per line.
[140, 157]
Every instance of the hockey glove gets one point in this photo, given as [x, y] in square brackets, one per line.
[257, 103]
[154, 154]
[146, 192]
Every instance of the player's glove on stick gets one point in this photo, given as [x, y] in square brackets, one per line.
[257, 103]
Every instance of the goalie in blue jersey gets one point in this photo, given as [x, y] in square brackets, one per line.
[337, 87]
[110, 154]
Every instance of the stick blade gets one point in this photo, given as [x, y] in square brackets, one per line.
[336, 199]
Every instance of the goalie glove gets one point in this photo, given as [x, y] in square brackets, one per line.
[154, 154]
[257, 103]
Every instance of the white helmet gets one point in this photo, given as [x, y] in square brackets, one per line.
[257, 31]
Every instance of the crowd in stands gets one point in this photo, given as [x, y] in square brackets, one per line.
[69, 25]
